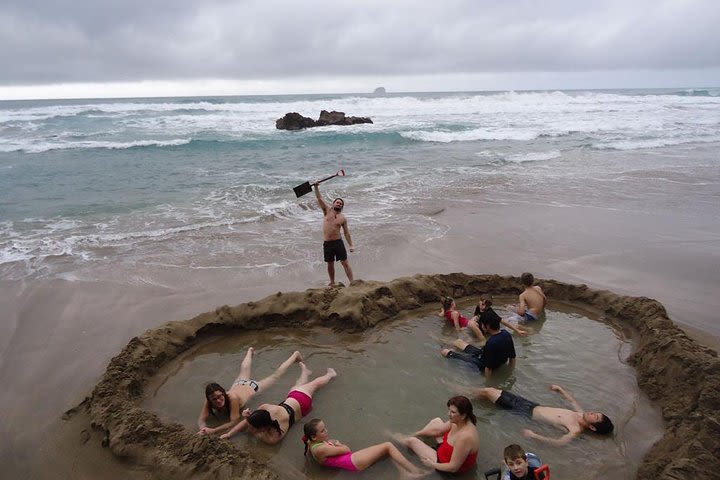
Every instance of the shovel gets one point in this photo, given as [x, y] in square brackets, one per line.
[306, 188]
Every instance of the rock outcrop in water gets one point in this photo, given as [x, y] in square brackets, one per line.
[295, 121]
[677, 373]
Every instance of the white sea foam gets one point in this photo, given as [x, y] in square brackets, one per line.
[534, 156]
[67, 145]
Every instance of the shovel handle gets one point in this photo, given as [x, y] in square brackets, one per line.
[340, 173]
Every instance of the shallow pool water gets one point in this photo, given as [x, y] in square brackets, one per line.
[394, 378]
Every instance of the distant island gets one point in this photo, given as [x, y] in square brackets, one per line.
[379, 91]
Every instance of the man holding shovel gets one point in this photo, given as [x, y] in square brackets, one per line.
[333, 246]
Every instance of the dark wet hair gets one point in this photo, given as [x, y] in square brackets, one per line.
[527, 279]
[447, 303]
[491, 320]
[211, 388]
[464, 407]
[514, 451]
[487, 300]
[604, 426]
[343, 201]
[310, 430]
[261, 419]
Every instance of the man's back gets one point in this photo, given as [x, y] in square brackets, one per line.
[533, 299]
[498, 349]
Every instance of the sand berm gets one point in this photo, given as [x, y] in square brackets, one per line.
[677, 373]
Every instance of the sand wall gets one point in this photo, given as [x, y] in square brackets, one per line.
[677, 373]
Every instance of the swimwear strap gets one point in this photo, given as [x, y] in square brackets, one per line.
[291, 413]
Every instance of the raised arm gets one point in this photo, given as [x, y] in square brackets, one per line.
[455, 315]
[558, 442]
[576, 406]
[320, 200]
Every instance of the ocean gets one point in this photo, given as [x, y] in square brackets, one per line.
[118, 215]
[91, 188]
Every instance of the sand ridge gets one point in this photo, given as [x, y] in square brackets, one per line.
[677, 373]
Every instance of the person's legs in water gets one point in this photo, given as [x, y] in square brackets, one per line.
[309, 388]
[246, 366]
[272, 378]
[366, 457]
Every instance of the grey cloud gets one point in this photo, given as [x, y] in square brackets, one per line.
[82, 41]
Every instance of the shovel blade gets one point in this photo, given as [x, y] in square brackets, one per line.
[302, 189]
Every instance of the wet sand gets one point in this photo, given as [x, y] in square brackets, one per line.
[57, 337]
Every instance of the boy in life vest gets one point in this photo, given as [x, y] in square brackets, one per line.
[519, 468]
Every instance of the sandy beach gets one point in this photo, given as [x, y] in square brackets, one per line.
[60, 335]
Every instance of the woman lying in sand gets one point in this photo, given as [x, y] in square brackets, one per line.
[270, 423]
[230, 403]
[458, 450]
[332, 453]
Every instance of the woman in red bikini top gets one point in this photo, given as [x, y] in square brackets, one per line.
[449, 311]
[458, 451]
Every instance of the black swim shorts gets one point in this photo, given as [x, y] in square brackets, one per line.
[334, 250]
[515, 402]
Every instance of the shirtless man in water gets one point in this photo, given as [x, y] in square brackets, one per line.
[573, 422]
[333, 246]
[532, 299]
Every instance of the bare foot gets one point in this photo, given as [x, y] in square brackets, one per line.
[331, 373]
[331, 284]
[444, 352]
[305, 369]
[251, 351]
[298, 356]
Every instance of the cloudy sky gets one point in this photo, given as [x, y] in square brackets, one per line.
[71, 48]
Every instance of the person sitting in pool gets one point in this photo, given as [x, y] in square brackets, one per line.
[574, 422]
[270, 423]
[532, 299]
[499, 348]
[228, 404]
[450, 312]
[518, 467]
[484, 310]
[332, 453]
[457, 451]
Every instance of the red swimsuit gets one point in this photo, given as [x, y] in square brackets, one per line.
[445, 451]
[461, 320]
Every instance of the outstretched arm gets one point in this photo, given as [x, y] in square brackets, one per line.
[240, 427]
[558, 442]
[576, 406]
[520, 331]
[320, 200]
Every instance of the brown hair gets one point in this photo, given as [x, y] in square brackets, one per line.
[514, 451]
[310, 430]
[527, 279]
[464, 407]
